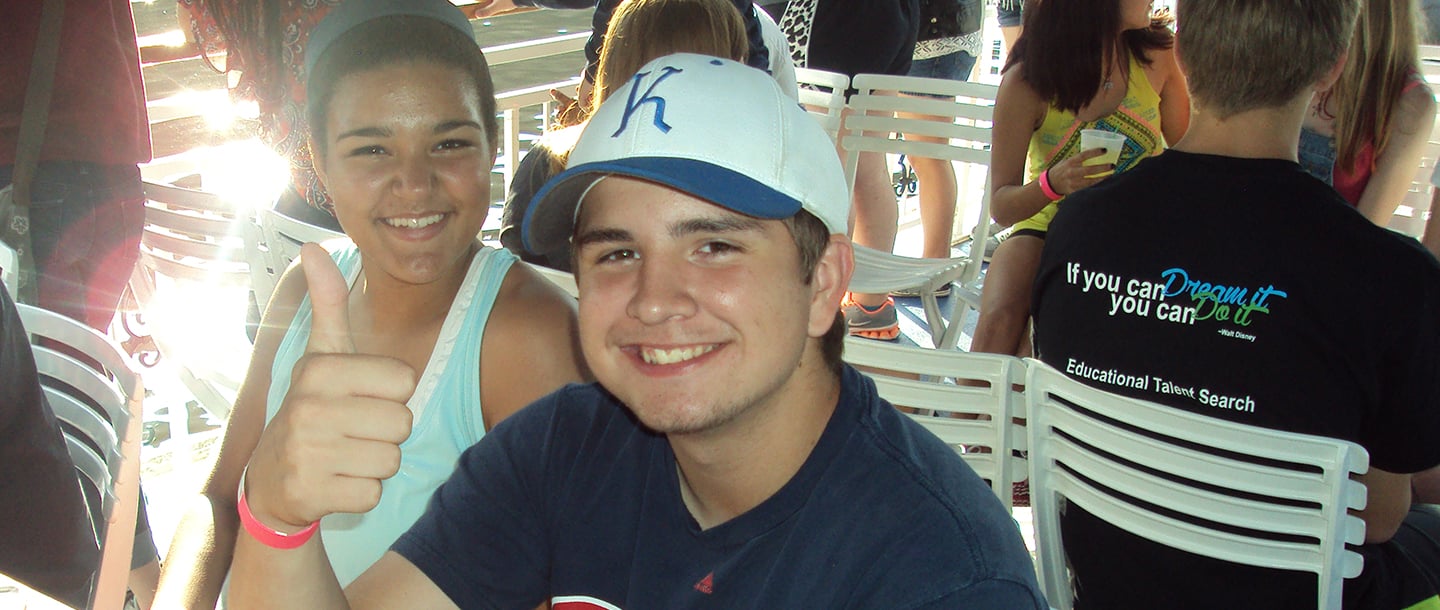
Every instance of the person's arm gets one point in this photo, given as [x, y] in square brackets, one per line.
[531, 335]
[1387, 502]
[200, 552]
[1018, 113]
[1174, 99]
[1425, 486]
[1395, 165]
[1431, 239]
[335, 438]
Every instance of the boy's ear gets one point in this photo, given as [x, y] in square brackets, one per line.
[830, 281]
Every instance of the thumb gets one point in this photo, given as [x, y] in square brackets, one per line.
[329, 297]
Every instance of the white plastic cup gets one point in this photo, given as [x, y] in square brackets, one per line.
[1098, 138]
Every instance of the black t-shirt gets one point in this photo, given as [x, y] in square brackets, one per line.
[46, 541]
[1247, 290]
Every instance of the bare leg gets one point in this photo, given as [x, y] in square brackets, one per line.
[1005, 299]
[143, 582]
[937, 203]
[876, 215]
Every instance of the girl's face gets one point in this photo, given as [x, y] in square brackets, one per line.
[1135, 14]
[408, 166]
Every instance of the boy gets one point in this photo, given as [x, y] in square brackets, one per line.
[1226, 277]
[727, 458]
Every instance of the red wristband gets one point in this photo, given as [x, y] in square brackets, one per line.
[269, 537]
[1046, 188]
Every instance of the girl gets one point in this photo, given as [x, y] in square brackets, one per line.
[402, 116]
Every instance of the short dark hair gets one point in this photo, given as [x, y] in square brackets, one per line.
[1242, 55]
[390, 40]
[812, 238]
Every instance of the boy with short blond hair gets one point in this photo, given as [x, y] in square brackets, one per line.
[1229, 279]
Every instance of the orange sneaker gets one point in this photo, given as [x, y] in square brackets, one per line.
[880, 323]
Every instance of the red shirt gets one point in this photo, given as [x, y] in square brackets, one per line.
[97, 108]
[282, 104]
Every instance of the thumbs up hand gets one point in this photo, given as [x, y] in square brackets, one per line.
[338, 433]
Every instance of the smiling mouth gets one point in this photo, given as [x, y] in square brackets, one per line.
[419, 222]
[675, 355]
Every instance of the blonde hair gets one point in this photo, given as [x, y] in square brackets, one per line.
[642, 30]
[1384, 57]
[1241, 55]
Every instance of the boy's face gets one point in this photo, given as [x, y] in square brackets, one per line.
[694, 316]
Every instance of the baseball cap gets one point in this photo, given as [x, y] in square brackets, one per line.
[712, 128]
[352, 13]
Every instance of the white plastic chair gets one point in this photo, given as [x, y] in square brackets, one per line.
[823, 95]
[927, 382]
[1069, 421]
[1414, 207]
[104, 444]
[272, 242]
[965, 120]
[8, 260]
[191, 248]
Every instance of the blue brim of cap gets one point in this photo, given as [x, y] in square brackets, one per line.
[550, 220]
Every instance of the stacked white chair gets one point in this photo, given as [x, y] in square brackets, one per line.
[823, 96]
[964, 120]
[8, 260]
[272, 242]
[1285, 496]
[104, 443]
[965, 399]
[191, 243]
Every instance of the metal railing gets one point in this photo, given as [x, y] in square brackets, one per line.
[509, 104]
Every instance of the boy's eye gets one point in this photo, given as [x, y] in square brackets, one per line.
[454, 144]
[617, 256]
[367, 150]
[718, 247]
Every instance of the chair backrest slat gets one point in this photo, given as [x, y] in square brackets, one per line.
[934, 387]
[1217, 488]
[71, 386]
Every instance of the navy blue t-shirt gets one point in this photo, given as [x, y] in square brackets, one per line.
[572, 501]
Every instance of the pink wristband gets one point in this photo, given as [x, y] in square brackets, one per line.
[1046, 188]
[269, 537]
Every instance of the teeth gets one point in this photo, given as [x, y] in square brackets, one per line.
[672, 356]
[414, 223]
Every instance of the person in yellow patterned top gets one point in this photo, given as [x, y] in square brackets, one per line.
[1080, 64]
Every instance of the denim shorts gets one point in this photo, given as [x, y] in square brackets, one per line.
[955, 66]
[1008, 13]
